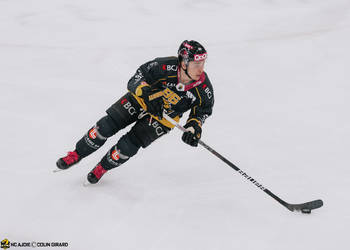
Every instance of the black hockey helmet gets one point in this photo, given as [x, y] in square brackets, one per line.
[191, 51]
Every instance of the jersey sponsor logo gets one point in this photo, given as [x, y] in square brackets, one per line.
[151, 65]
[113, 157]
[155, 95]
[127, 105]
[188, 46]
[157, 128]
[124, 101]
[91, 143]
[93, 133]
[208, 92]
[200, 57]
[191, 96]
[115, 154]
[138, 76]
[90, 137]
[170, 84]
[169, 67]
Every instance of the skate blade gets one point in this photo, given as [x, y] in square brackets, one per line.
[86, 183]
[57, 170]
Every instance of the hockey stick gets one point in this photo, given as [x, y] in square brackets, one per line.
[303, 207]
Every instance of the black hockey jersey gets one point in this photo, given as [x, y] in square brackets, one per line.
[163, 73]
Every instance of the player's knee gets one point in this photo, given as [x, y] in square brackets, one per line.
[127, 146]
[96, 136]
[106, 127]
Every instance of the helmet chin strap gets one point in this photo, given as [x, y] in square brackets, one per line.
[186, 72]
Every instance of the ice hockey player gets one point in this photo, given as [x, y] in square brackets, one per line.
[172, 85]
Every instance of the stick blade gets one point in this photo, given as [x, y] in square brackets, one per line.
[306, 206]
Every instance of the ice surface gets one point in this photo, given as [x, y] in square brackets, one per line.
[280, 71]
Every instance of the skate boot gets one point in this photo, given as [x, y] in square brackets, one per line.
[95, 175]
[68, 161]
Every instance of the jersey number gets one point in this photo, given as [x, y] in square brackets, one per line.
[172, 97]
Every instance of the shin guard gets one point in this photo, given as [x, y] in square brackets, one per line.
[96, 136]
[126, 147]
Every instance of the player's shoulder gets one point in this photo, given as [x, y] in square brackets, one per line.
[162, 64]
[206, 89]
[168, 65]
[167, 60]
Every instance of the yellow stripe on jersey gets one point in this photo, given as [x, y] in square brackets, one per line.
[200, 98]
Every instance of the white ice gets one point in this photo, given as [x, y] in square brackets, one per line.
[280, 71]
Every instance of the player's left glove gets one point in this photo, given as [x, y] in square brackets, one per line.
[192, 136]
[152, 98]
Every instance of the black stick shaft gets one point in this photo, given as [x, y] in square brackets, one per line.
[244, 174]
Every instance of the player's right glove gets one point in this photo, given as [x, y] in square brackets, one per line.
[192, 136]
[152, 98]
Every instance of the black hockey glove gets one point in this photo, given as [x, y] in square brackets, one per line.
[192, 136]
[153, 100]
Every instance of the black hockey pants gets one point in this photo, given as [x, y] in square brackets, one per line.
[124, 112]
